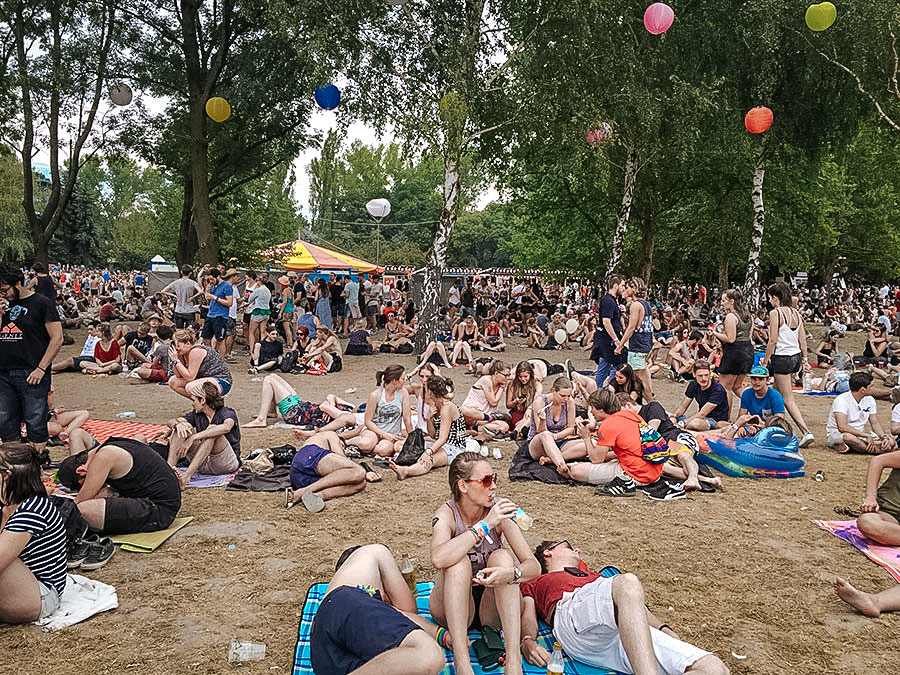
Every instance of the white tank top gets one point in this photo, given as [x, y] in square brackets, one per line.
[788, 338]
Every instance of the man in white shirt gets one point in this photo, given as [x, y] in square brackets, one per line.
[87, 352]
[846, 428]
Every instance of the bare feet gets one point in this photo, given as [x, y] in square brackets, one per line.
[691, 484]
[303, 434]
[401, 471]
[863, 602]
[255, 423]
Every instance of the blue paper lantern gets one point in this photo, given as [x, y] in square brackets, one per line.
[328, 97]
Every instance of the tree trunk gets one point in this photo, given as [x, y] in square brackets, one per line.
[751, 282]
[648, 230]
[615, 256]
[723, 275]
[187, 237]
[437, 259]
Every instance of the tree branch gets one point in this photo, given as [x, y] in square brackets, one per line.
[862, 89]
[515, 51]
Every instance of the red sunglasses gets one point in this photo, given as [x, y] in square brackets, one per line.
[486, 481]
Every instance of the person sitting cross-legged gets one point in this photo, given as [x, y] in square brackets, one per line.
[320, 471]
[602, 621]
[846, 427]
[712, 401]
[367, 622]
[209, 436]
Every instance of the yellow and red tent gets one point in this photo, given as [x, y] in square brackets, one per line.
[301, 256]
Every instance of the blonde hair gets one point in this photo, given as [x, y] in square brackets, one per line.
[185, 335]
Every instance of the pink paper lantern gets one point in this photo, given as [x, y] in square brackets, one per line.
[596, 137]
[658, 18]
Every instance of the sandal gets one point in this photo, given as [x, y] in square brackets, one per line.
[313, 502]
[288, 498]
[368, 469]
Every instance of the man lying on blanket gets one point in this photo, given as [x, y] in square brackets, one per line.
[367, 622]
[602, 621]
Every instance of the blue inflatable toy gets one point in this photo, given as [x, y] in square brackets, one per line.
[772, 453]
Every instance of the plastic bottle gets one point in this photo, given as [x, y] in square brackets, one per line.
[556, 666]
[523, 520]
[126, 415]
[807, 382]
[408, 570]
[242, 650]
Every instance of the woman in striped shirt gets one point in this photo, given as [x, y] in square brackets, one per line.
[32, 539]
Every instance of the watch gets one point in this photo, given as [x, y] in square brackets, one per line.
[517, 574]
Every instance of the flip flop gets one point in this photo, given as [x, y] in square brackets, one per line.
[368, 469]
[288, 498]
[313, 502]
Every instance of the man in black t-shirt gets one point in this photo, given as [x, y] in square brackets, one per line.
[30, 337]
[137, 344]
[608, 333]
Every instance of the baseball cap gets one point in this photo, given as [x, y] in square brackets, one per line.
[759, 371]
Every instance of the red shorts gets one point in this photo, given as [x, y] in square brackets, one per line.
[158, 375]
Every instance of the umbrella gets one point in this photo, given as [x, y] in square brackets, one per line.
[301, 256]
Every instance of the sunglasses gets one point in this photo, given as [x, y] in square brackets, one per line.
[560, 543]
[487, 481]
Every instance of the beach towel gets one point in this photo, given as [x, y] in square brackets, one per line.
[81, 599]
[886, 556]
[147, 542]
[275, 480]
[101, 430]
[817, 393]
[207, 480]
[525, 467]
[303, 664]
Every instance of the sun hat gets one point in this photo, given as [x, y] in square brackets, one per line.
[231, 272]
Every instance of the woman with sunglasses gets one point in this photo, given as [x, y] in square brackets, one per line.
[477, 581]
[445, 425]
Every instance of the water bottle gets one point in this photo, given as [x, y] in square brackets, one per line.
[556, 666]
[807, 382]
[523, 520]
[408, 570]
[242, 650]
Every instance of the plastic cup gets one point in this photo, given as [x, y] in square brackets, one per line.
[243, 650]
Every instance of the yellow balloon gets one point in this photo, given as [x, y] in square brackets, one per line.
[218, 109]
[820, 17]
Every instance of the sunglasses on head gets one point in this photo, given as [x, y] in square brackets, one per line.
[488, 480]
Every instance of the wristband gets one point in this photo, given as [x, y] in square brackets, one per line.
[665, 625]
[478, 536]
[525, 637]
[485, 530]
[43, 370]
[441, 637]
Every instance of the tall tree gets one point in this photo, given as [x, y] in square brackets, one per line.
[55, 73]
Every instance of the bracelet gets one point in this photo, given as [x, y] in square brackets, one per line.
[525, 637]
[441, 637]
[478, 535]
[43, 370]
[665, 625]
[485, 530]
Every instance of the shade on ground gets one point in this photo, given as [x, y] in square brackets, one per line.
[301, 256]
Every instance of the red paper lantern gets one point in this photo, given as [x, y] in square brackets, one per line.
[758, 119]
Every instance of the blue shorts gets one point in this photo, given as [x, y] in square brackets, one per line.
[303, 466]
[214, 327]
[78, 360]
[224, 385]
[351, 628]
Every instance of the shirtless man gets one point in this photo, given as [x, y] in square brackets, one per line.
[367, 622]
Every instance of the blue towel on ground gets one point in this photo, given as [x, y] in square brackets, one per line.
[303, 664]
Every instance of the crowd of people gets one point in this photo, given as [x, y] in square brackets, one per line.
[602, 427]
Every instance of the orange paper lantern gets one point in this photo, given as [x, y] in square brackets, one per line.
[758, 119]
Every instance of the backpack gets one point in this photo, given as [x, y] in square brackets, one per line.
[289, 361]
[413, 447]
[654, 447]
[75, 524]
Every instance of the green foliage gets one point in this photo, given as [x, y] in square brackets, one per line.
[14, 240]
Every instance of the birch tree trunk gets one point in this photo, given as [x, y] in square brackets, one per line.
[648, 232]
[437, 259]
[751, 282]
[624, 215]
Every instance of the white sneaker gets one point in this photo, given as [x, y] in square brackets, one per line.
[806, 439]
[483, 451]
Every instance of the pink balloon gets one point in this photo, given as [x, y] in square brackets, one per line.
[658, 18]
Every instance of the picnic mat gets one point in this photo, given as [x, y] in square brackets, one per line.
[886, 556]
[147, 542]
[303, 664]
[208, 480]
[101, 430]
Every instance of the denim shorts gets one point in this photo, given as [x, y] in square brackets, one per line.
[23, 402]
[49, 599]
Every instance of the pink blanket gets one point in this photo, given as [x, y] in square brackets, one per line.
[886, 556]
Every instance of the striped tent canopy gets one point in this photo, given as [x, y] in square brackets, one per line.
[301, 256]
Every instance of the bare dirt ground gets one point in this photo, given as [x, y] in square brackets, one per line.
[741, 572]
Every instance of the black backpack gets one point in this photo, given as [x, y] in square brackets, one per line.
[413, 447]
[75, 524]
[289, 361]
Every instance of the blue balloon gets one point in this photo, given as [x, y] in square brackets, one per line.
[328, 97]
